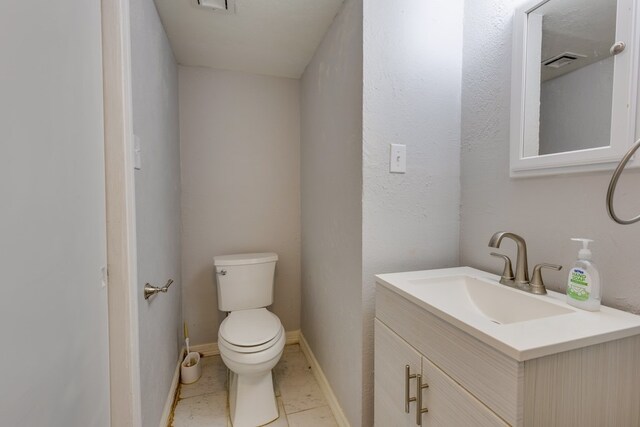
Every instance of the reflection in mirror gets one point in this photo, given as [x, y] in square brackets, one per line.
[569, 76]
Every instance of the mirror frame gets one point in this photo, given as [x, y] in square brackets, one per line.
[625, 94]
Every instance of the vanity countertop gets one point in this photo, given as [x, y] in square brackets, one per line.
[466, 298]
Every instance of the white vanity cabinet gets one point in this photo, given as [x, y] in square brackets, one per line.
[470, 383]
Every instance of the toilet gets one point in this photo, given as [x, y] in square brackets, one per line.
[251, 338]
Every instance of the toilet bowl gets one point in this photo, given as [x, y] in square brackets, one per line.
[251, 342]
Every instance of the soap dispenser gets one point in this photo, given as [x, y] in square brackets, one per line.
[583, 285]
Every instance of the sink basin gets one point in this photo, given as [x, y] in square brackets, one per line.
[519, 324]
[500, 304]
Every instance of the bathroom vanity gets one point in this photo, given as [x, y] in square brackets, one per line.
[489, 355]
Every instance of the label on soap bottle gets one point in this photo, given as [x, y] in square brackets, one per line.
[579, 286]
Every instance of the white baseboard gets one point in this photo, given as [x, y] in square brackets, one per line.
[293, 337]
[338, 413]
[211, 349]
[168, 405]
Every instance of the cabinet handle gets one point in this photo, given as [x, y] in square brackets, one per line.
[408, 376]
[419, 409]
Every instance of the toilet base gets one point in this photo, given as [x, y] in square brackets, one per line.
[252, 400]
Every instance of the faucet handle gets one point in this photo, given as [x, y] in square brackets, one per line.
[537, 285]
[507, 273]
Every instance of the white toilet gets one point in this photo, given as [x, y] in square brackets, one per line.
[251, 339]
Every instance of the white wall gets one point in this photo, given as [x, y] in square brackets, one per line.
[352, 208]
[412, 87]
[155, 122]
[331, 105]
[53, 308]
[240, 151]
[575, 109]
[547, 211]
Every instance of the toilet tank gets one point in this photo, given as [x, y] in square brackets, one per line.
[245, 281]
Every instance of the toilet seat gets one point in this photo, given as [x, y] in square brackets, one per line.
[252, 349]
[250, 331]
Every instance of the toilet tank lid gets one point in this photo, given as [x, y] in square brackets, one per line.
[245, 259]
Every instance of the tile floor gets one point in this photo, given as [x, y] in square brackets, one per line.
[300, 400]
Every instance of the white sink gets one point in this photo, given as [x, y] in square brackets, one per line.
[519, 324]
[500, 304]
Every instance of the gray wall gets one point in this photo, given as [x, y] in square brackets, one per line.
[331, 105]
[575, 109]
[53, 306]
[547, 211]
[155, 122]
[240, 149]
[412, 86]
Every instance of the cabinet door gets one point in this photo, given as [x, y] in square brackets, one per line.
[450, 405]
[392, 354]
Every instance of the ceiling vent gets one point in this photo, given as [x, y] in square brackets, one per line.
[219, 6]
[561, 60]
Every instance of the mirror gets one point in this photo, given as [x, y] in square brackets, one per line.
[572, 100]
[574, 83]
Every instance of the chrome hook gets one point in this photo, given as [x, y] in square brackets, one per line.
[150, 290]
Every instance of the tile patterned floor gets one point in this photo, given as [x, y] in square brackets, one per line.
[300, 399]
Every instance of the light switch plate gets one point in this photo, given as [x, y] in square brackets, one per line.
[398, 158]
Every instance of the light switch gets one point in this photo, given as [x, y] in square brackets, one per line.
[398, 158]
[137, 157]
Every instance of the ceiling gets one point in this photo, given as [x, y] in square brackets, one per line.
[272, 37]
[585, 27]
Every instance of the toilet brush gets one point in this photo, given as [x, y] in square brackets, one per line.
[186, 337]
[190, 369]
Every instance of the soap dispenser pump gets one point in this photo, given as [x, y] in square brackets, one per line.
[583, 285]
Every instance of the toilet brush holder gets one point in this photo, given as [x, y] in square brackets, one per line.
[191, 368]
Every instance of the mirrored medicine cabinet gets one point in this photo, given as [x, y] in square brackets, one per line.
[574, 85]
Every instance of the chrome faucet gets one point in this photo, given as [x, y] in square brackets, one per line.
[521, 278]
[522, 268]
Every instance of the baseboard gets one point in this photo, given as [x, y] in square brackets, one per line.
[171, 397]
[332, 400]
[293, 337]
[211, 349]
